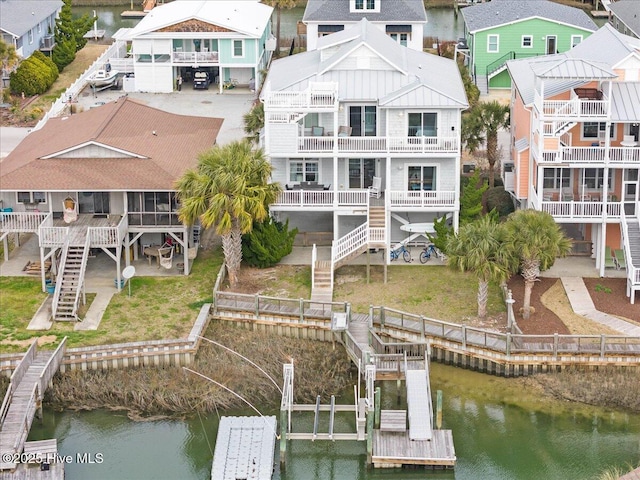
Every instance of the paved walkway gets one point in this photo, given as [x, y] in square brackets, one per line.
[582, 304]
[634, 475]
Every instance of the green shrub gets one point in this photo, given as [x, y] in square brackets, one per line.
[499, 199]
[51, 67]
[267, 243]
[29, 78]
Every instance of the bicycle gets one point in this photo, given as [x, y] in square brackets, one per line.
[395, 254]
[427, 251]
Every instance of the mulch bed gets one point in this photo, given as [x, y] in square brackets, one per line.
[610, 297]
[543, 321]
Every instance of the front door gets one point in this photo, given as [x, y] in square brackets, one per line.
[361, 172]
[551, 44]
[362, 120]
[93, 202]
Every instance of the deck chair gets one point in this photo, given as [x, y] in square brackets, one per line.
[609, 261]
[344, 131]
[165, 254]
[620, 261]
[70, 210]
[375, 189]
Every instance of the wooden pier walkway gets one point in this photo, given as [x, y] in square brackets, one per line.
[28, 383]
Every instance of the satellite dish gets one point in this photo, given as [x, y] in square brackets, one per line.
[129, 272]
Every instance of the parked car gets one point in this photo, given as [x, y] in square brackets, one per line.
[201, 80]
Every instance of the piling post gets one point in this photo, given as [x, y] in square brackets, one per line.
[283, 438]
[369, 437]
[439, 409]
[368, 266]
[376, 405]
[302, 310]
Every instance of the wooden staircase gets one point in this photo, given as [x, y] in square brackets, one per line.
[371, 234]
[70, 283]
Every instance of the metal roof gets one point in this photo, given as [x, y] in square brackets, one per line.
[17, 17]
[625, 102]
[619, 46]
[593, 58]
[248, 17]
[628, 11]
[322, 11]
[411, 78]
[572, 68]
[501, 12]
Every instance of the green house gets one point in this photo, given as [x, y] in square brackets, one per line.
[502, 30]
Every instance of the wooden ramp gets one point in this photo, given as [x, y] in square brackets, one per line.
[419, 404]
[244, 448]
[29, 381]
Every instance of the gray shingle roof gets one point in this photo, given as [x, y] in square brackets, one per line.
[628, 11]
[17, 17]
[412, 79]
[501, 12]
[323, 11]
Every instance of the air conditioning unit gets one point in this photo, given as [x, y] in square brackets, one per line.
[48, 41]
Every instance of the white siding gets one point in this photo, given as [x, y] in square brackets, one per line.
[162, 46]
[141, 46]
[154, 78]
[92, 151]
[279, 173]
[326, 171]
[283, 137]
[363, 59]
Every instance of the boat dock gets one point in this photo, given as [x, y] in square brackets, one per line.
[23, 399]
[244, 448]
[133, 14]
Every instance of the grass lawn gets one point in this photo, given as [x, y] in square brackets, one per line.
[159, 308]
[433, 291]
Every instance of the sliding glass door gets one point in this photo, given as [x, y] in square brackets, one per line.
[362, 120]
[361, 172]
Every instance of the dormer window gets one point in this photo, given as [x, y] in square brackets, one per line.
[365, 5]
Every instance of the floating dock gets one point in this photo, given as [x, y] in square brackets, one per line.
[244, 448]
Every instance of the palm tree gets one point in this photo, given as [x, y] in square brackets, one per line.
[479, 247]
[480, 125]
[8, 58]
[254, 122]
[228, 190]
[538, 240]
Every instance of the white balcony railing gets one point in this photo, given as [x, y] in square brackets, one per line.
[21, 221]
[52, 236]
[580, 210]
[575, 108]
[421, 198]
[322, 198]
[195, 57]
[319, 96]
[356, 145]
[594, 155]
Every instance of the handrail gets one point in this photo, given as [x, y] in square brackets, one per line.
[407, 327]
[26, 423]
[6, 403]
[314, 257]
[51, 367]
[25, 363]
[496, 64]
[59, 280]
[83, 268]
[633, 272]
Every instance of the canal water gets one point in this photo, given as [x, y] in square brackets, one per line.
[501, 431]
[441, 21]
